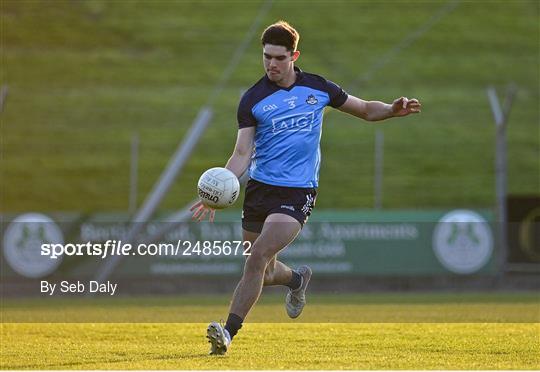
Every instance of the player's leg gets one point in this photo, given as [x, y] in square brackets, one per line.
[278, 231]
[297, 203]
[251, 237]
[259, 199]
[219, 335]
[277, 273]
[266, 210]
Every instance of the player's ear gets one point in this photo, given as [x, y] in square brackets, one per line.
[295, 55]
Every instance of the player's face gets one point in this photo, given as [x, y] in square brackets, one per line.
[278, 62]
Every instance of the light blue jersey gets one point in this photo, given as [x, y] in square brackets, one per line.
[288, 128]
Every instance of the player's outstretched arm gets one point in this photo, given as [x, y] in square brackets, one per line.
[238, 163]
[376, 110]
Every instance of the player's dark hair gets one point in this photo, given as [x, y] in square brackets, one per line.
[281, 33]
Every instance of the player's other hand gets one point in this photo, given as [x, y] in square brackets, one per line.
[200, 211]
[404, 106]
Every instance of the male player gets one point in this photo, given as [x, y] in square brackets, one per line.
[280, 121]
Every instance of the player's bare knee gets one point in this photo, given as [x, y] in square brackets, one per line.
[265, 249]
[256, 262]
[268, 275]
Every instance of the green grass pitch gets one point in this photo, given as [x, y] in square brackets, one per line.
[497, 331]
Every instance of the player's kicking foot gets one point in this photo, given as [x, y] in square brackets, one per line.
[296, 300]
[218, 337]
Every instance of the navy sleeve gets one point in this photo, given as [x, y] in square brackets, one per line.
[337, 95]
[244, 115]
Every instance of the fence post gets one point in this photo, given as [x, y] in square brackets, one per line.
[500, 114]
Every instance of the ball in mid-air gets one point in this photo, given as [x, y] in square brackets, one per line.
[218, 188]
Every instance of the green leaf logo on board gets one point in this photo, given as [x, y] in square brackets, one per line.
[22, 245]
[463, 241]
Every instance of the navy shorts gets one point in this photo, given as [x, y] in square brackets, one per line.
[262, 200]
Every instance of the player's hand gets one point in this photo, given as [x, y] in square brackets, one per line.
[200, 211]
[404, 106]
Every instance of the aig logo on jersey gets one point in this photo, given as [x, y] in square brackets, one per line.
[311, 100]
[302, 122]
